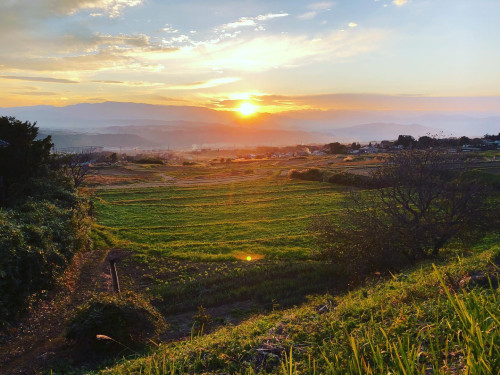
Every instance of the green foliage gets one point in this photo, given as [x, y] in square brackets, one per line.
[46, 221]
[423, 321]
[350, 179]
[202, 320]
[405, 141]
[25, 157]
[337, 148]
[309, 174]
[121, 321]
[37, 241]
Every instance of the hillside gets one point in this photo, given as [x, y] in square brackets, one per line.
[63, 139]
[427, 320]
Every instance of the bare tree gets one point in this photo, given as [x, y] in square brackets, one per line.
[76, 166]
[423, 200]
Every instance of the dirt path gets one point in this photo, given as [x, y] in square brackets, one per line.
[37, 341]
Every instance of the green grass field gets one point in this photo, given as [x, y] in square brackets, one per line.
[192, 244]
[428, 320]
[262, 218]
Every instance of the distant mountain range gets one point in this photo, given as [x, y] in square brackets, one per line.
[131, 125]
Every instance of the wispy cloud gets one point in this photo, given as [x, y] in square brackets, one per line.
[126, 83]
[308, 15]
[170, 30]
[270, 16]
[35, 93]
[40, 79]
[282, 51]
[205, 84]
[251, 21]
[315, 9]
[321, 5]
[112, 8]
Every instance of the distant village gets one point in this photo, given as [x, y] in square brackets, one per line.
[159, 156]
[451, 145]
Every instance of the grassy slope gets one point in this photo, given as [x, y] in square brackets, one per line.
[424, 321]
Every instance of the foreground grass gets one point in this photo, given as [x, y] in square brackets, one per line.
[431, 320]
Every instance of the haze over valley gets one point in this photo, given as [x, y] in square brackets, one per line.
[143, 126]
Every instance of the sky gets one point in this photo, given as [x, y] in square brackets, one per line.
[278, 55]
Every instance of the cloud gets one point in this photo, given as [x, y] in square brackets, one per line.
[322, 5]
[251, 21]
[83, 53]
[40, 79]
[281, 51]
[126, 83]
[400, 2]
[170, 30]
[270, 16]
[308, 15]
[315, 9]
[242, 22]
[352, 24]
[205, 84]
[35, 93]
[113, 8]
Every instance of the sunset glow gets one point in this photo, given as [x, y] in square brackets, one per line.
[247, 109]
[296, 55]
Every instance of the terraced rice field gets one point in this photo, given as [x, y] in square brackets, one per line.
[266, 218]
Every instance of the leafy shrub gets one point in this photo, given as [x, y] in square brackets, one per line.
[129, 320]
[309, 174]
[202, 320]
[37, 241]
[349, 179]
[43, 219]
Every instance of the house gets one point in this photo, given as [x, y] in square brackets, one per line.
[368, 150]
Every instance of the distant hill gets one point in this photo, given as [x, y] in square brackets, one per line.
[92, 115]
[71, 139]
[185, 136]
[149, 126]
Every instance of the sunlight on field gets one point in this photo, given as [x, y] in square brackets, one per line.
[267, 218]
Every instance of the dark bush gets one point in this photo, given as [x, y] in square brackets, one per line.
[310, 174]
[349, 179]
[422, 201]
[127, 321]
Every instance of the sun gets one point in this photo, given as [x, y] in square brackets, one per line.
[247, 109]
